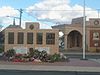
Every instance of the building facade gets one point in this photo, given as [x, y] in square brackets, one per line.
[73, 34]
[30, 38]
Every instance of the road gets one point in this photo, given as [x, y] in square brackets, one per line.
[26, 72]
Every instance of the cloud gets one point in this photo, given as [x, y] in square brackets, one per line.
[7, 11]
[59, 11]
[44, 25]
[10, 11]
[53, 11]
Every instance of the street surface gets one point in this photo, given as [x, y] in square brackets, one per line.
[26, 72]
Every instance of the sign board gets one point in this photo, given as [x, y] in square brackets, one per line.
[47, 49]
[21, 50]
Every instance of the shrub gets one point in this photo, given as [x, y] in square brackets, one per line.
[55, 58]
[10, 53]
[34, 53]
[43, 56]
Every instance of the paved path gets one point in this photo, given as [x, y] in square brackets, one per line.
[87, 53]
[96, 60]
[73, 65]
[72, 62]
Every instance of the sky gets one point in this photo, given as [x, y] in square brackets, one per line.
[46, 12]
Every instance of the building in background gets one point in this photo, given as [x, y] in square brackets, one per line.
[73, 34]
[30, 38]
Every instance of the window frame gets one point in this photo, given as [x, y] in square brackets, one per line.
[39, 38]
[50, 38]
[10, 39]
[96, 35]
[29, 36]
[20, 40]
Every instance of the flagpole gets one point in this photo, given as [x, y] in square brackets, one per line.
[84, 32]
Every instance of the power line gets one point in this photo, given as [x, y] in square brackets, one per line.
[61, 10]
[23, 9]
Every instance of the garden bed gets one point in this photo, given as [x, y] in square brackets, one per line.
[34, 56]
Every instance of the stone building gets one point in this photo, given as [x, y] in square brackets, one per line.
[73, 34]
[32, 37]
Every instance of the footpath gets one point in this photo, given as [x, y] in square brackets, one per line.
[91, 65]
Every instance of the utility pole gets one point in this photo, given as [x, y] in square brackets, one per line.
[20, 18]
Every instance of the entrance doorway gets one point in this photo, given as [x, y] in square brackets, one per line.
[74, 40]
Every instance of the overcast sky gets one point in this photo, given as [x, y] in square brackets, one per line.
[47, 12]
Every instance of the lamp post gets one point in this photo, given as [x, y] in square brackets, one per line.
[84, 31]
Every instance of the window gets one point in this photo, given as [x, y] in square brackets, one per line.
[11, 38]
[50, 38]
[20, 38]
[39, 38]
[29, 38]
[95, 36]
